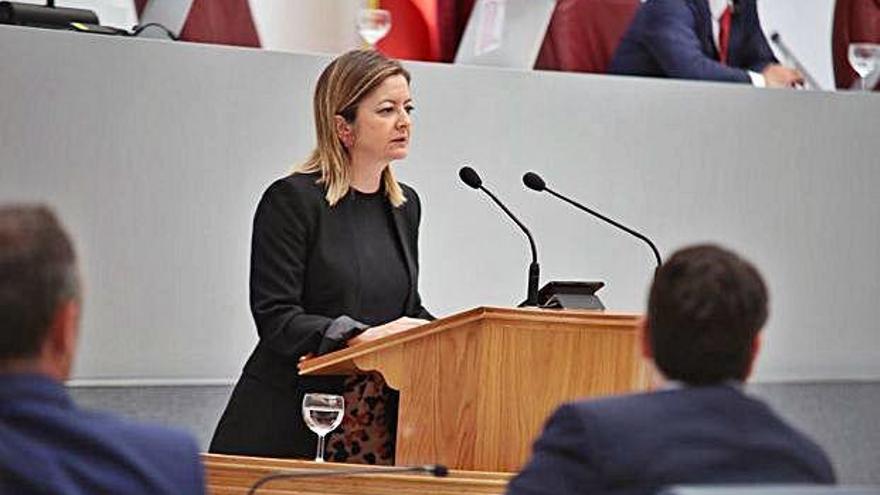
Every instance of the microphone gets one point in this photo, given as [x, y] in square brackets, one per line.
[470, 177]
[534, 182]
[436, 470]
[788, 54]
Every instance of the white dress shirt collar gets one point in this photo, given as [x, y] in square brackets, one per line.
[716, 7]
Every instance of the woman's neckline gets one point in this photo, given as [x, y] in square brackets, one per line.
[368, 195]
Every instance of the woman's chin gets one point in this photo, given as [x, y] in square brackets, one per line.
[398, 154]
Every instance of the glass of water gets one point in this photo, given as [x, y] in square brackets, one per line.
[373, 25]
[323, 414]
[864, 57]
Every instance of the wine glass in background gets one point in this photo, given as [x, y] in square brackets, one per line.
[373, 25]
[863, 57]
[323, 414]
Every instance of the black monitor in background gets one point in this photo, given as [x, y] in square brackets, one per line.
[44, 16]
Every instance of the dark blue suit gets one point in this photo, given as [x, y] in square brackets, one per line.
[673, 38]
[49, 446]
[637, 444]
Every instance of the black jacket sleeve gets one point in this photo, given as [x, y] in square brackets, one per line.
[284, 225]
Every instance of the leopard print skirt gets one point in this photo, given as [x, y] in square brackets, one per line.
[365, 435]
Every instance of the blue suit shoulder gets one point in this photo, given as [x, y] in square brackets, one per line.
[637, 443]
[48, 445]
[717, 417]
[160, 456]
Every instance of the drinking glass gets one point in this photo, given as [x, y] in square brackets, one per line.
[323, 414]
[863, 59]
[373, 25]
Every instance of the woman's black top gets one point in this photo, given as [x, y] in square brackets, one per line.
[384, 283]
[319, 276]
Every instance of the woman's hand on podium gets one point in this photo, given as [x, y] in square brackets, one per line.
[399, 325]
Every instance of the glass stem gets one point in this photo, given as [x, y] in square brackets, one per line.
[319, 456]
[863, 83]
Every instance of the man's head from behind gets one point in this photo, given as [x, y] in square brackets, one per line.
[705, 309]
[39, 293]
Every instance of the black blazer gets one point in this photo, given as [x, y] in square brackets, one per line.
[637, 444]
[303, 274]
[673, 38]
[304, 300]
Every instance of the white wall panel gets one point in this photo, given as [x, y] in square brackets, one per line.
[156, 154]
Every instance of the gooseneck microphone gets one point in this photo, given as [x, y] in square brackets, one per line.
[534, 182]
[470, 177]
[787, 53]
[436, 470]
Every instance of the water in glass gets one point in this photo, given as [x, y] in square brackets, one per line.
[322, 414]
[322, 420]
[863, 57]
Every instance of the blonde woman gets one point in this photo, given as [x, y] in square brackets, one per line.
[334, 262]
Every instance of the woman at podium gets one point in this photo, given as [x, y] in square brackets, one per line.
[334, 262]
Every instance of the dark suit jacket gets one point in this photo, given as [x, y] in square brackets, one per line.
[640, 443]
[303, 275]
[673, 38]
[49, 446]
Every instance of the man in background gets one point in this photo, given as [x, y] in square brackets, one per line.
[705, 310]
[710, 40]
[47, 444]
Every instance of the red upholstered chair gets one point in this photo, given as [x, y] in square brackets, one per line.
[413, 34]
[583, 34]
[223, 23]
[854, 21]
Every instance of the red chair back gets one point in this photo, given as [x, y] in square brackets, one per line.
[583, 34]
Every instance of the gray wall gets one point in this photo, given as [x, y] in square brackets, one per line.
[839, 416]
[156, 153]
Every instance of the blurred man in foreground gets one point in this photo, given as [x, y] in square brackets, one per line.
[47, 444]
[705, 311]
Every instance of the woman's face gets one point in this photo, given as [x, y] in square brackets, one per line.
[382, 125]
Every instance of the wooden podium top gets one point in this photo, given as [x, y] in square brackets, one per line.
[228, 475]
[340, 361]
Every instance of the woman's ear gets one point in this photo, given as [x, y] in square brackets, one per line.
[344, 131]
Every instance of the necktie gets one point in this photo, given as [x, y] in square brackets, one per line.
[724, 34]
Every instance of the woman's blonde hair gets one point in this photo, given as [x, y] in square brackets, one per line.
[341, 87]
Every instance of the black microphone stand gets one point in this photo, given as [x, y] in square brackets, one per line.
[470, 177]
[534, 182]
[534, 268]
[612, 222]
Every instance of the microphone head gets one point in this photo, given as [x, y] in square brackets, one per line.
[534, 181]
[470, 177]
[438, 470]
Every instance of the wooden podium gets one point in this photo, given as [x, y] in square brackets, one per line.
[234, 475]
[476, 387]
